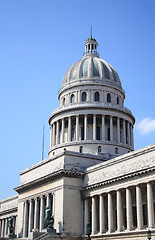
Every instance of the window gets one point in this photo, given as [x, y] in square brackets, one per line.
[72, 134]
[97, 97]
[84, 97]
[72, 98]
[64, 101]
[82, 133]
[108, 97]
[81, 149]
[117, 100]
[99, 149]
[116, 150]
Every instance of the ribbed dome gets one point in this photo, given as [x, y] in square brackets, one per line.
[92, 67]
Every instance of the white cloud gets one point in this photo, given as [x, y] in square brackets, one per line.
[146, 126]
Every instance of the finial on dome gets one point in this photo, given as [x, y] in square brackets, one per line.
[91, 45]
[91, 32]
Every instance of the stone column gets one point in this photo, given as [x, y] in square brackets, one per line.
[150, 207]
[3, 225]
[36, 214]
[42, 210]
[128, 129]
[85, 214]
[124, 132]
[94, 216]
[111, 128]
[85, 127]
[102, 214]
[129, 209]
[26, 220]
[0, 227]
[119, 211]
[31, 217]
[53, 134]
[132, 135]
[48, 203]
[118, 129]
[62, 129]
[94, 127]
[69, 129]
[6, 227]
[50, 136]
[57, 133]
[110, 213]
[77, 128]
[139, 208]
[103, 127]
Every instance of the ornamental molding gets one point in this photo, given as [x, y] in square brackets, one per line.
[9, 211]
[89, 106]
[49, 177]
[116, 179]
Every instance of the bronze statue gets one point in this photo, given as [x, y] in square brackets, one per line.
[10, 225]
[49, 220]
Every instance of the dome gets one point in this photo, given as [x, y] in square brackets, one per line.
[91, 68]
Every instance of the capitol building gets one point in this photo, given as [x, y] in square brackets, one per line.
[92, 173]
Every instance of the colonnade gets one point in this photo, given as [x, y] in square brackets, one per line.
[121, 210]
[34, 212]
[4, 227]
[91, 127]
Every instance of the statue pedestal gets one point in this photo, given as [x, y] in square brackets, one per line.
[50, 231]
[11, 236]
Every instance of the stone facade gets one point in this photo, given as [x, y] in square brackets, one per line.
[93, 173]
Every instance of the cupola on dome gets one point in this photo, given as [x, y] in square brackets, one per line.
[91, 68]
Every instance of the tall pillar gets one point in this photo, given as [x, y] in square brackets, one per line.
[132, 136]
[3, 225]
[150, 207]
[129, 209]
[111, 128]
[0, 227]
[77, 128]
[85, 127]
[119, 211]
[124, 132]
[94, 216]
[110, 213]
[103, 127]
[36, 214]
[139, 208]
[94, 127]
[48, 202]
[53, 134]
[102, 214]
[85, 214]
[50, 136]
[42, 210]
[62, 129]
[6, 227]
[26, 220]
[128, 129]
[69, 129]
[118, 129]
[57, 133]
[31, 217]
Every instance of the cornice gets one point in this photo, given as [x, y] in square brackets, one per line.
[116, 179]
[12, 210]
[89, 106]
[49, 177]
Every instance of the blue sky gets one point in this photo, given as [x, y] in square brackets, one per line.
[40, 40]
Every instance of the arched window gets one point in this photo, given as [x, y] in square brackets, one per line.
[99, 149]
[117, 100]
[109, 97]
[81, 149]
[64, 101]
[72, 98]
[84, 97]
[97, 97]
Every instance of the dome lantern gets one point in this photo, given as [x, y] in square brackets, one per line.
[91, 46]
